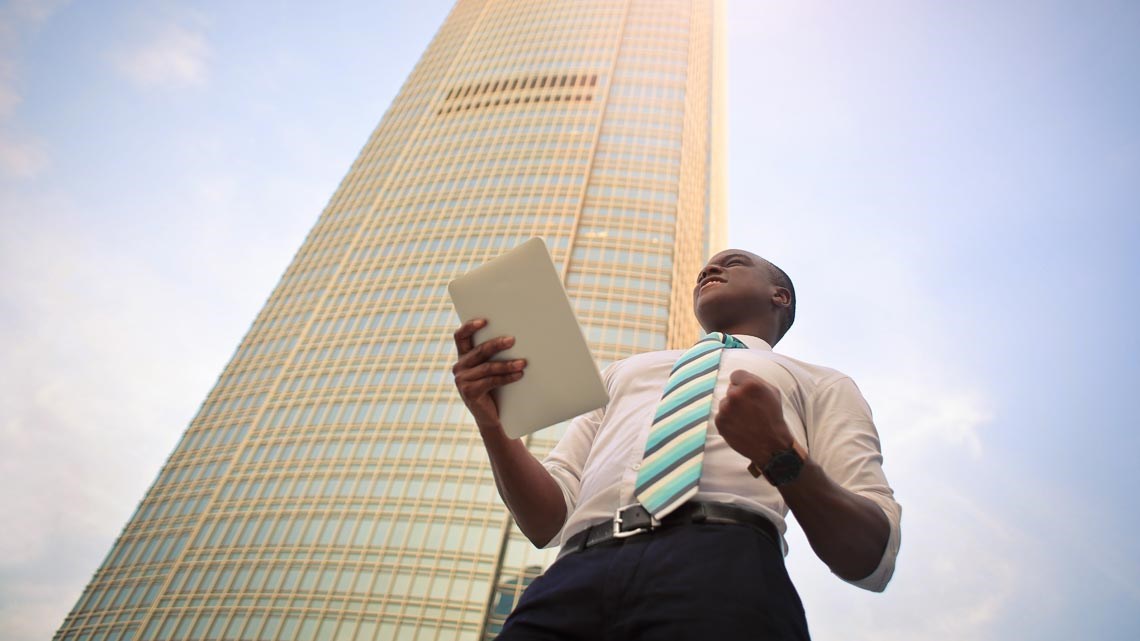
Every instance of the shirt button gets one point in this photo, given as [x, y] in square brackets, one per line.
[637, 466]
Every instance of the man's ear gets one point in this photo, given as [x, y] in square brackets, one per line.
[781, 297]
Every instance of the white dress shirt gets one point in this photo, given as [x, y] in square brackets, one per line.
[596, 461]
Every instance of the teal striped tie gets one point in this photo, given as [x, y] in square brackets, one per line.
[671, 467]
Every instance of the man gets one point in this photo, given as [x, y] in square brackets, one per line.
[776, 434]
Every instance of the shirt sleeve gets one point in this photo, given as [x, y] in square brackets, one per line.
[844, 442]
[568, 458]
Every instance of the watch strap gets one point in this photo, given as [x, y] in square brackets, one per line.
[757, 470]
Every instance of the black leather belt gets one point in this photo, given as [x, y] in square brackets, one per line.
[635, 519]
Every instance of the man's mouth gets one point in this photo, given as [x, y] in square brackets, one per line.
[710, 282]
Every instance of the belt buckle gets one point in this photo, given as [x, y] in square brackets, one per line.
[640, 519]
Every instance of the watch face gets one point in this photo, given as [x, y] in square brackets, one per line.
[784, 467]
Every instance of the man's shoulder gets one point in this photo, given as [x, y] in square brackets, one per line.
[638, 367]
[827, 389]
[814, 376]
[646, 359]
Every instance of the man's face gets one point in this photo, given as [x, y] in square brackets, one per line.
[732, 285]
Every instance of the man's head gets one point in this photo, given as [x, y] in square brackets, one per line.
[740, 292]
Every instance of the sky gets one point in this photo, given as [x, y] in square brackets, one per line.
[953, 187]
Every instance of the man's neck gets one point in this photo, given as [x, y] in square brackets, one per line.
[749, 329]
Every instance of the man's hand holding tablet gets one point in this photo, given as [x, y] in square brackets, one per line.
[516, 314]
[476, 375]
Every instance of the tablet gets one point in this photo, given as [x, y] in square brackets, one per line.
[520, 294]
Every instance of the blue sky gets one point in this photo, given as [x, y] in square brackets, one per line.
[952, 186]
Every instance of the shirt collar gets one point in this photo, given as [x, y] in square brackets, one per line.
[754, 343]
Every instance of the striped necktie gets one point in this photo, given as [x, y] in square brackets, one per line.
[671, 467]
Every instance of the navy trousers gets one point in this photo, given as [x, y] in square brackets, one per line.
[704, 582]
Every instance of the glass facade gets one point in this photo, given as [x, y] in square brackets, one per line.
[332, 485]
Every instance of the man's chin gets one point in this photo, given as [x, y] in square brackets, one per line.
[709, 320]
[717, 317]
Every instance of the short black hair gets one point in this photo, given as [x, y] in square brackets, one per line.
[780, 278]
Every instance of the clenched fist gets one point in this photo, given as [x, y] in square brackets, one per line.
[750, 417]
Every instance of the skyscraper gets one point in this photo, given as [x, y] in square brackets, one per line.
[332, 485]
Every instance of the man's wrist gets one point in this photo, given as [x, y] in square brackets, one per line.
[782, 467]
[492, 432]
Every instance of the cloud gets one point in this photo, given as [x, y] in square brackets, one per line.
[21, 155]
[113, 325]
[967, 567]
[36, 599]
[31, 11]
[18, 18]
[172, 57]
[10, 97]
[98, 384]
[928, 416]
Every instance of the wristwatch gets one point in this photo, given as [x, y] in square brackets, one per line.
[783, 467]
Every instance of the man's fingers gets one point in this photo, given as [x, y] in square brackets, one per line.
[482, 353]
[490, 368]
[476, 388]
[751, 383]
[465, 335]
[740, 376]
[723, 412]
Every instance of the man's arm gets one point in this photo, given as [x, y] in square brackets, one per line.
[528, 489]
[848, 532]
